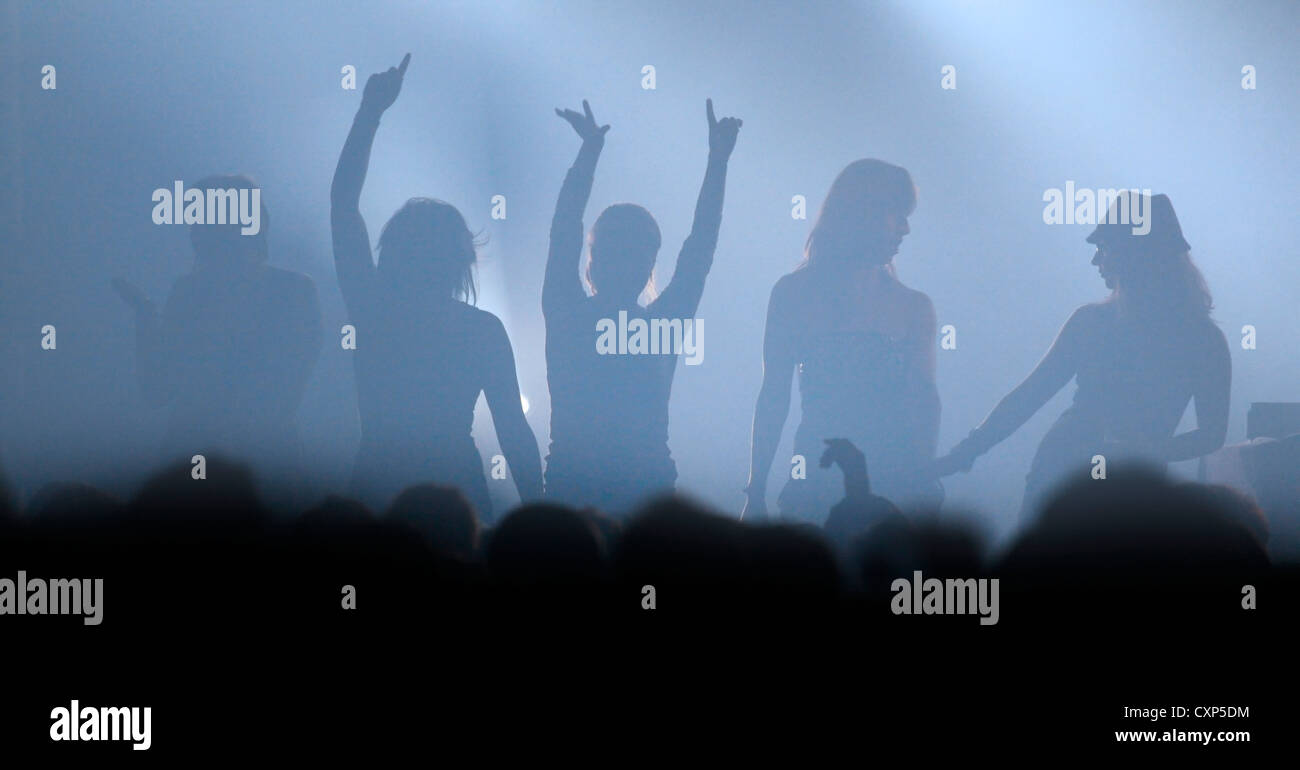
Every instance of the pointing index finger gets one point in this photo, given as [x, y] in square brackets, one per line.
[708, 105]
[401, 68]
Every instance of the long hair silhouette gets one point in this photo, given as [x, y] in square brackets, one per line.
[423, 354]
[862, 345]
[1138, 358]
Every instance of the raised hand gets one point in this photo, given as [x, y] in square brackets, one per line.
[843, 453]
[853, 464]
[949, 464]
[383, 87]
[722, 133]
[584, 124]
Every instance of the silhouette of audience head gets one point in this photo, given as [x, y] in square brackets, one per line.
[895, 546]
[1152, 266]
[226, 496]
[334, 512]
[1112, 551]
[850, 518]
[864, 217]
[443, 517]
[543, 543]
[792, 566]
[427, 249]
[624, 245]
[73, 502]
[224, 247]
[608, 527]
[1141, 523]
[683, 548]
[1236, 506]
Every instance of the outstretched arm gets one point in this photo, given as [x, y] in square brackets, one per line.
[352, 260]
[561, 287]
[773, 406]
[513, 432]
[683, 292]
[1056, 369]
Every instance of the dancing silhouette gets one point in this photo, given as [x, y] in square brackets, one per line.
[1137, 357]
[423, 352]
[609, 413]
[232, 349]
[863, 345]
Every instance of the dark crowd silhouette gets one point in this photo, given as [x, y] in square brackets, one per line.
[1093, 548]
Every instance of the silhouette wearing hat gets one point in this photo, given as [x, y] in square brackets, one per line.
[1137, 358]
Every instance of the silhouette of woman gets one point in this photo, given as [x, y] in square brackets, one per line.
[609, 413]
[1137, 357]
[424, 354]
[231, 351]
[863, 345]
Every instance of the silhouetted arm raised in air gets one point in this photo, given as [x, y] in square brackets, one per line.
[780, 357]
[682, 295]
[561, 287]
[513, 432]
[852, 463]
[1057, 368]
[352, 260]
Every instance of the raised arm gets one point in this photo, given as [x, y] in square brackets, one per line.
[852, 463]
[352, 260]
[1056, 369]
[513, 432]
[561, 287]
[696, 257]
[773, 407]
